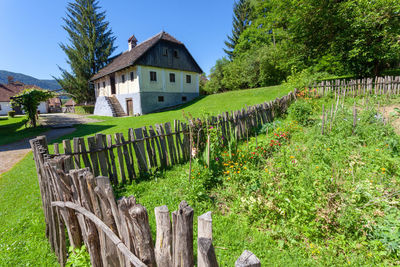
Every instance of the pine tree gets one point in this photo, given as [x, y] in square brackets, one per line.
[241, 19]
[91, 42]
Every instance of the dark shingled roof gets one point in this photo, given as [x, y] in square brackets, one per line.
[12, 89]
[128, 58]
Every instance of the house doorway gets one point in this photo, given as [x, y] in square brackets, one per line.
[129, 106]
[112, 82]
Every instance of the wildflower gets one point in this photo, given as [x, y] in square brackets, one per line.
[328, 149]
[292, 157]
[231, 166]
[245, 167]
[377, 149]
[238, 172]
[316, 167]
[228, 178]
[227, 172]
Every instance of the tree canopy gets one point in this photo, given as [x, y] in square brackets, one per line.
[287, 38]
[91, 43]
[29, 100]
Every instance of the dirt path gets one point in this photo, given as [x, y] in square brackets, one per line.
[11, 154]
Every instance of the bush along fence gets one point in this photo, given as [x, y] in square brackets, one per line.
[388, 85]
[76, 189]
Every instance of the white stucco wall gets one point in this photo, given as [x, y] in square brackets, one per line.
[5, 107]
[127, 87]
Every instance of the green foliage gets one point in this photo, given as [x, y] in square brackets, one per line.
[305, 78]
[29, 100]
[88, 109]
[302, 112]
[241, 20]
[11, 114]
[91, 44]
[78, 257]
[292, 40]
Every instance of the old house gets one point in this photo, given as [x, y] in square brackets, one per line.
[11, 89]
[54, 105]
[152, 75]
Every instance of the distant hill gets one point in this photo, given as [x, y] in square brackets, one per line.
[45, 84]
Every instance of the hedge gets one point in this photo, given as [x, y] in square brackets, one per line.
[88, 109]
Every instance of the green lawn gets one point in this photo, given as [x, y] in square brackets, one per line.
[211, 105]
[22, 229]
[13, 129]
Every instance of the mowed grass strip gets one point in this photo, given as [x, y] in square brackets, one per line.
[13, 129]
[22, 227]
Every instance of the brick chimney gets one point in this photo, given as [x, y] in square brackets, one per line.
[132, 42]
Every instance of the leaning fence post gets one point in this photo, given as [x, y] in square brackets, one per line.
[247, 259]
[205, 250]
[323, 119]
[163, 248]
[354, 117]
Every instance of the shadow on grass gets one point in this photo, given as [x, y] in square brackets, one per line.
[83, 130]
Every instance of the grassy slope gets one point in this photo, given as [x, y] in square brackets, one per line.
[22, 231]
[213, 104]
[294, 239]
[13, 129]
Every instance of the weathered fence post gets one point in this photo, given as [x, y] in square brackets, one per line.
[247, 259]
[182, 239]
[163, 248]
[205, 250]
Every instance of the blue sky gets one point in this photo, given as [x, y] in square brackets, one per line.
[30, 30]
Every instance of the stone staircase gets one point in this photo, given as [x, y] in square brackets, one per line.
[116, 107]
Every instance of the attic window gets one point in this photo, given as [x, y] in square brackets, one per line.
[165, 51]
[123, 78]
[172, 77]
[153, 76]
[188, 79]
[132, 75]
[104, 84]
[160, 98]
[176, 53]
[98, 85]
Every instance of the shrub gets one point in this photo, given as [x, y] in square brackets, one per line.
[11, 114]
[88, 109]
[301, 111]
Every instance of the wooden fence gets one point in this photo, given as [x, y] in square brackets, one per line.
[388, 85]
[76, 189]
[76, 184]
[142, 150]
[116, 233]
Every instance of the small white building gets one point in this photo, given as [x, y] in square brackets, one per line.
[11, 89]
[154, 74]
